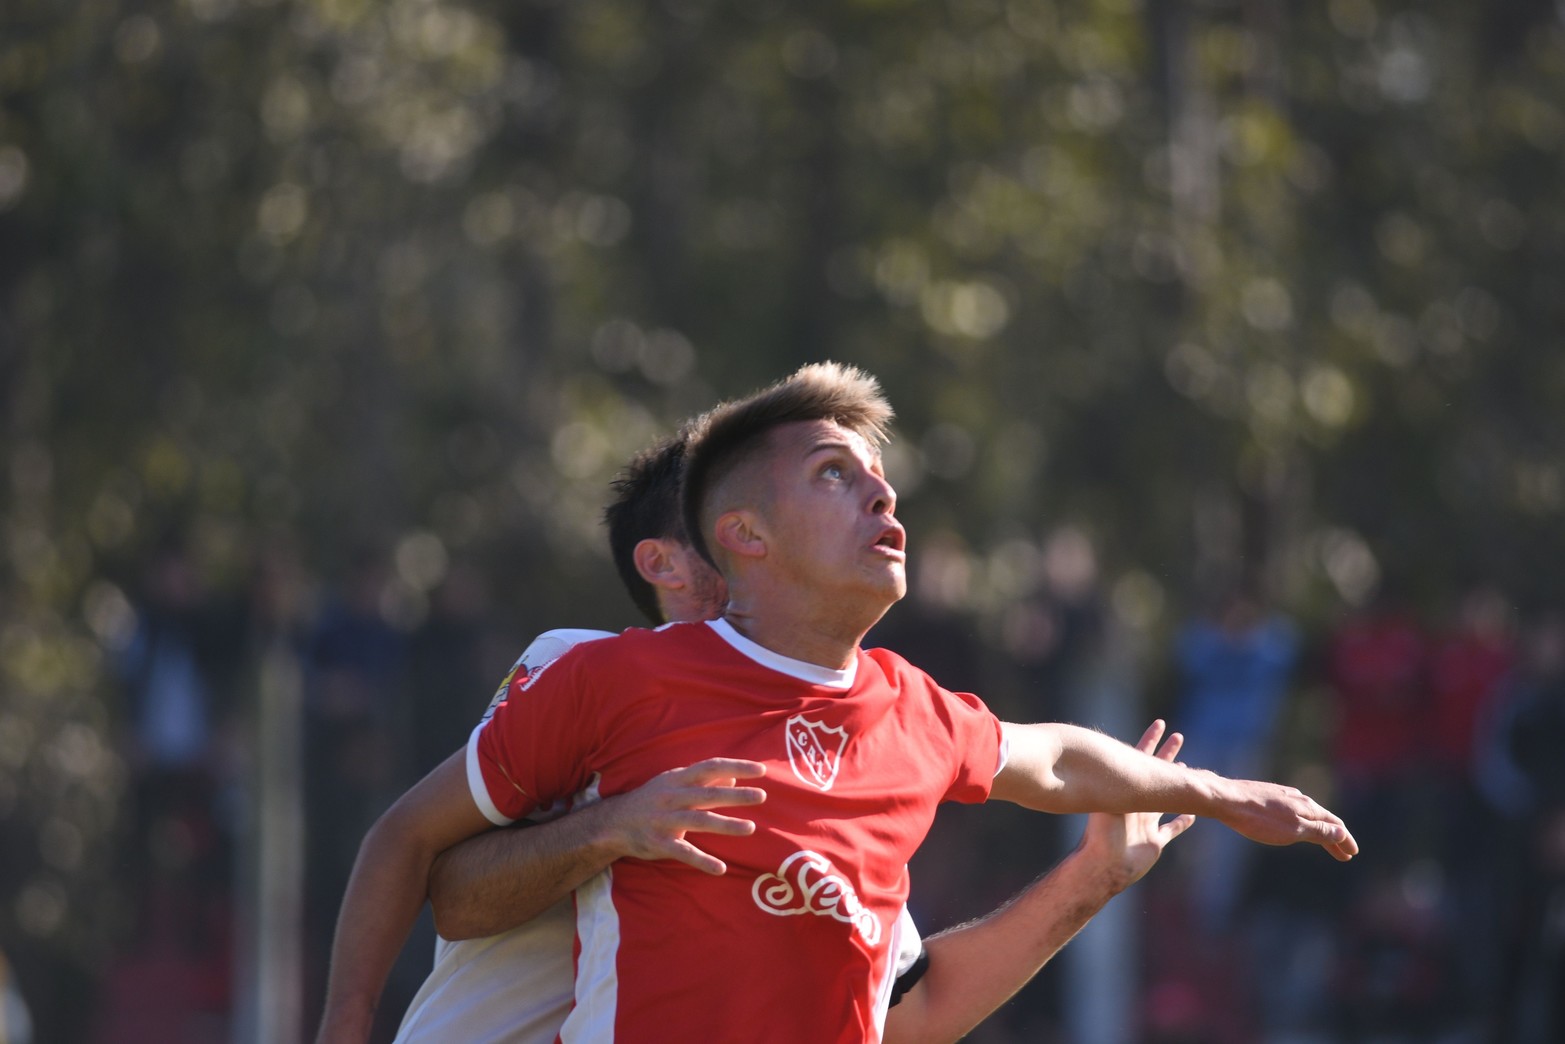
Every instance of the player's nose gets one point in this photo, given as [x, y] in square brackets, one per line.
[883, 497]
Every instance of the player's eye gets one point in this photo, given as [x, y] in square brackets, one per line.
[832, 471]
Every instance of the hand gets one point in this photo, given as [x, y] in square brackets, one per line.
[1128, 845]
[1273, 814]
[651, 821]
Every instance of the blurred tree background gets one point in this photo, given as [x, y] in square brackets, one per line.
[1232, 290]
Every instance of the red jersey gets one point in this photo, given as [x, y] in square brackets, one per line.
[1465, 675]
[1377, 668]
[794, 943]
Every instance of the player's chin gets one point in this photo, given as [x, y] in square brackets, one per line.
[878, 563]
[874, 575]
[893, 583]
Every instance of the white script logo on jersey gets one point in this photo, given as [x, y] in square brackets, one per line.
[815, 751]
[807, 883]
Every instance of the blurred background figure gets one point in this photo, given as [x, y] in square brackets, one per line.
[173, 979]
[1523, 776]
[448, 670]
[1470, 664]
[1467, 667]
[1234, 666]
[16, 1025]
[355, 702]
[1376, 665]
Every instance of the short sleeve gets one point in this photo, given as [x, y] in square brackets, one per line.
[977, 743]
[533, 746]
[958, 722]
[542, 651]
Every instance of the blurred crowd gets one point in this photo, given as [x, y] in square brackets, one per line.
[1438, 737]
[387, 688]
[1443, 742]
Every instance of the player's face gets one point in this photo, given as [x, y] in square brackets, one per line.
[831, 521]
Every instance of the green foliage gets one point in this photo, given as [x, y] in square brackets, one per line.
[1264, 289]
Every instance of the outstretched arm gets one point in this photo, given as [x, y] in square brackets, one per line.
[1065, 768]
[502, 879]
[386, 891]
[975, 968]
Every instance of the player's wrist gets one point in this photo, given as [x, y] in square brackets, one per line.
[608, 831]
[1098, 870]
[1213, 796]
[347, 1021]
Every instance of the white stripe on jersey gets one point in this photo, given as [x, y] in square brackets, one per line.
[597, 969]
[906, 945]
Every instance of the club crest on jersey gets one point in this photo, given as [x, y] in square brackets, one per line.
[807, 883]
[815, 751]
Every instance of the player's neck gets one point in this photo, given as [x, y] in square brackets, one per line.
[825, 636]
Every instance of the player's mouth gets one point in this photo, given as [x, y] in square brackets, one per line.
[892, 542]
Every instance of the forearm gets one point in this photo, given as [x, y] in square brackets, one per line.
[386, 890]
[494, 883]
[1066, 768]
[500, 880]
[383, 899]
[1062, 768]
[975, 968]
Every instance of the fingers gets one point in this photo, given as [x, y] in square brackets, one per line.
[1333, 836]
[715, 769]
[666, 839]
[1345, 847]
[711, 782]
[1176, 826]
[683, 851]
[711, 797]
[712, 823]
[708, 784]
[1147, 744]
[1336, 839]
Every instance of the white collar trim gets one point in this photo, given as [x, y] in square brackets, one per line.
[805, 672]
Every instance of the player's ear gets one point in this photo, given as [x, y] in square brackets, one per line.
[658, 564]
[739, 533]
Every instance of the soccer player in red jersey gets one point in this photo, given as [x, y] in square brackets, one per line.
[503, 968]
[793, 942]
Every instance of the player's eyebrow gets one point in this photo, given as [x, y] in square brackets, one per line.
[827, 444]
[838, 445]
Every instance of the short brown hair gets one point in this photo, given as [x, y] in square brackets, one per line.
[733, 431]
[646, 507]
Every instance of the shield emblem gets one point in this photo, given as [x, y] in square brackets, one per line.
[815, 751]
